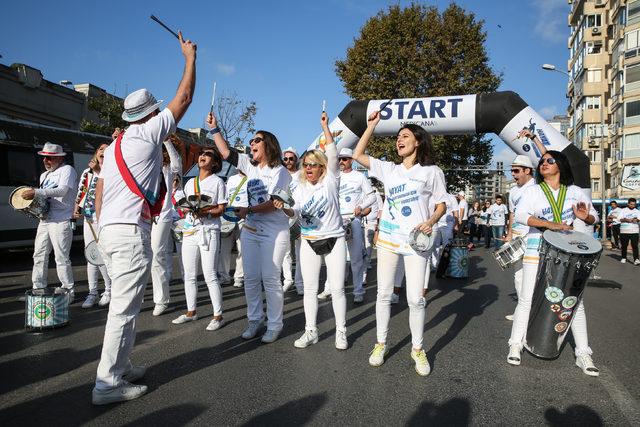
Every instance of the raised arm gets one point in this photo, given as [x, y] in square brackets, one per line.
[329, 147]
[359, 152]
[218, 139]
[184, 95]
[534, 138]
[175, 162]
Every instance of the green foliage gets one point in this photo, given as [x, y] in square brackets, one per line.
[418, 52]
[109, 110]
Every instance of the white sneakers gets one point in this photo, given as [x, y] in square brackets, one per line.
[287, 286]
[513, 358]
[341, 340]
[358, 299]
[309, 337]
[395, 298]
[585, 363]
[623, 261]
[105, 299]
[159, 309]
[377, 355]
[422, 364]
[126, 391]
[252, 329]
[636, 262]
[215, 324]
[90, 301]
[183, 318]
[324, 294]
[270, 336]
[509, 317]
[238, 284]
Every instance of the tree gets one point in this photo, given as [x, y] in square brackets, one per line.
[236, 118]
[109, 112]
[418, 52]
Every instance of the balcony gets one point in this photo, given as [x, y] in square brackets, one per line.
[576, 11]
[592, 116]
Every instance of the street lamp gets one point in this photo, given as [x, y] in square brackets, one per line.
[66, 82]
[551, 67]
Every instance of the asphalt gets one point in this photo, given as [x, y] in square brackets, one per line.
[198, 377]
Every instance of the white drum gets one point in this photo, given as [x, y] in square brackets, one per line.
[227, 227]
[36, 207]
[93, 255]
[510, 252]
[419, 241]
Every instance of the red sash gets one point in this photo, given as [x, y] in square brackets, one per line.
[149, 210]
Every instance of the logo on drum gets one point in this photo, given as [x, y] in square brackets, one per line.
[569, 302]
[564, 315]
[579, 244]
[555, 308]
[43, 311]
[560, 327]
[553, 294]
[406, 211]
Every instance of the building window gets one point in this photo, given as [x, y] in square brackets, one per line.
[632, 74]
[631, 145]
[593, 48]
[633, 12]
[594, 76]
[594, 156]
[632, 110]
[594, 20]
[593, 102]
[595, 185]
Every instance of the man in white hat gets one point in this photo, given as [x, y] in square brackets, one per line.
[129, 192]
[522, 172]
[290, 160]
[356, 194]
[463, 213]
[57, 186]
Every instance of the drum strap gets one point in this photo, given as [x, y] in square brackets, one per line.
[196, 186]
[556, 205]
[235, 193]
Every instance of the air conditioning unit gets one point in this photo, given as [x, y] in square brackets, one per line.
[595, 31]
[599, 2]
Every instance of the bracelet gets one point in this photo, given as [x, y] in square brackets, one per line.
[214, 130]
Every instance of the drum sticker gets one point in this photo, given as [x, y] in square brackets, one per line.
[564, 315]
[553, 294]
[569, 302]
[43, 310]
[555, 308]
[560, 327]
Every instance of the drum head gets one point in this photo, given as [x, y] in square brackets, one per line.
[419, 241]
[283, 196]
[572, 242]
[183, 203]
[230, 214]
[92, 254]
[226, 227]
[16, 200]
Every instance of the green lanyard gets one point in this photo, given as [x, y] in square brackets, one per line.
[242, 181]
[556, 205]
[196, 186]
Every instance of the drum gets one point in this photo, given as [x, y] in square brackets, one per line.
[227, 227]
[566, 261]
[458, 267]
[510, 252]
[230, 214]
[177, 228]
[283, 196]
[419, 241]
[36, 207]
[46, 309]
[92, 254]
[294, 228]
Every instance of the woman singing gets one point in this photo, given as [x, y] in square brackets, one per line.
[317, 204]
[409, 188]
[554, 188]
[265, 234]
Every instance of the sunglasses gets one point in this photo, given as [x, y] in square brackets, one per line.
[49, 157]
[516, 170]
[205, 153]
[289, 159]
[255, 140]
[549, 160]
[344, 159]
[310, 165]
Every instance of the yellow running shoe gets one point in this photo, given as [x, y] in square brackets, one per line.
[377, 355]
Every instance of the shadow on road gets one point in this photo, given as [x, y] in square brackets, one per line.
[454, 412]
[575, 415]
[294, 413]
[177, 415]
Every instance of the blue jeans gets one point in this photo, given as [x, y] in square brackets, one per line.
[497, 232]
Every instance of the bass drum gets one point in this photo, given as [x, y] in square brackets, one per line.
[458, 267]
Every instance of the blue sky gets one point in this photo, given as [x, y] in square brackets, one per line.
[280, 54]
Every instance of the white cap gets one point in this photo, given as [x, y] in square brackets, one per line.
[461, 194]
[139, 104]
[523, 161]
[290, 150]
[346, 152]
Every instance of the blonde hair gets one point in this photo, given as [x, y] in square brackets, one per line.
[317, 156]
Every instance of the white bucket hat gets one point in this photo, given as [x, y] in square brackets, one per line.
[138, 105]
[291, 150]
[51, 149]
[346, 152]
[523, 161]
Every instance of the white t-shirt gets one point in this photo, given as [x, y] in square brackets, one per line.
[169, 172]
[515, 195]
[240, 200]
[463, 205]
[261, 182]
[318, 205]
[628, 227]
[497, 214]
[60, 207]
[375, 207]
[295, 180]
[615, 215]
[408, 193]
[448, 220]
[535, 203]
[212, 186]
[142, 151]
[354, 189]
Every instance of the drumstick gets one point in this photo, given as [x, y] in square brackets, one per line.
[213, 97]
[92, 231]
[165, 27]
[324, 105]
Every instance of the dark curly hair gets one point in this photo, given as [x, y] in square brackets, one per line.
[566, 176]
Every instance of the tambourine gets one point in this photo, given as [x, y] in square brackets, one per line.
[230, 214]
[283, 196]
[419, 241]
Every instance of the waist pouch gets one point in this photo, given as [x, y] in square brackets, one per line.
[323, 246]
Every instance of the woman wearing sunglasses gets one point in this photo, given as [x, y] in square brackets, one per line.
[265, 234]
[201, 238]
[317, 204]
[409, 189]
[554, 188]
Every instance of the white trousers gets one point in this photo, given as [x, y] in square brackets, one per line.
[59, 236]
[262, 257]
[357, 255]
[94, 270]
[293, 275]
[521, 315]
[517, 278]
[194, 251]
[415, 267]
[443, 236]
[126, 249]
[311, 263]
[224, 258]
[162, 264]
[369, 232]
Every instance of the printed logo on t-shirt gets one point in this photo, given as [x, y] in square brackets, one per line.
[406, 210]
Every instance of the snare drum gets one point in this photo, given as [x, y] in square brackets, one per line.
[419, 241]
[294, 228]
[567, 258]
[283, 196]
[36, 207]
[227, 227]
[93, 255]
[46, 309]
[510, 252]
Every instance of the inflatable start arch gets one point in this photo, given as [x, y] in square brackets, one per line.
[502, 113]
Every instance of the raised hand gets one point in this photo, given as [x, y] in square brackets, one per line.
[187, 46]
[211, 120]
[580, 210]
[324, 119]
[374, 119]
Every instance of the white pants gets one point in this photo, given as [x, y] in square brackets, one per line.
[443, 236]
[521, 315]
[262, 257]
[94, 270]
[369, 232]
[310, 264]
[193, 251]
[415, 267]
[162, 264]
[357, 255]
[224, 258]
[126, 249]
[290, 276]
[56, 235]
[517, 278]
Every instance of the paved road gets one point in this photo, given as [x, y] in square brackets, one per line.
[199, 377]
